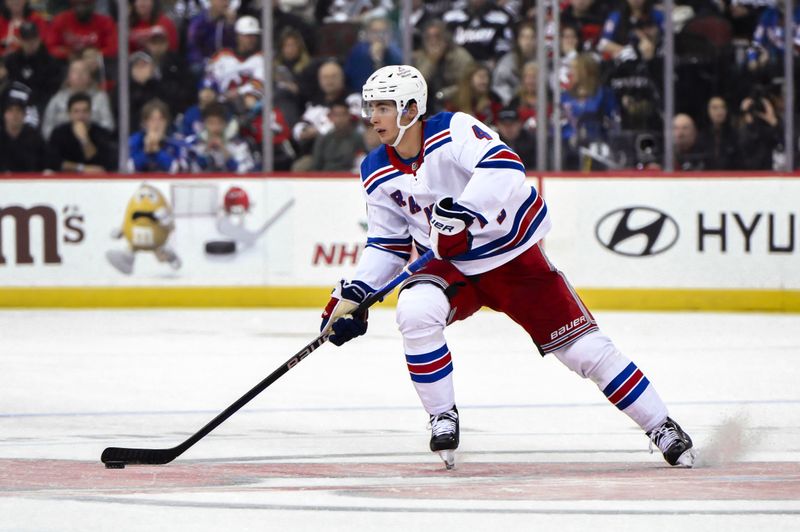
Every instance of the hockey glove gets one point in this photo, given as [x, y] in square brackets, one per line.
[337, 318]
[449, 235]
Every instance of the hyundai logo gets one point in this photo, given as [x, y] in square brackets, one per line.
[637, 231]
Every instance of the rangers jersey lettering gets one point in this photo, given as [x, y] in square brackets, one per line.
[461, 158]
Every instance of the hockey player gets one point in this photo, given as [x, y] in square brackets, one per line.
[449, 184]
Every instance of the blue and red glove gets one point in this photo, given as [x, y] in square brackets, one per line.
[337, 318]
[449, 229]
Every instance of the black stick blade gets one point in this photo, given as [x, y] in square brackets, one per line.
[121, 455]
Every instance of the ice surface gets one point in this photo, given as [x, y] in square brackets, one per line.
[340, 442]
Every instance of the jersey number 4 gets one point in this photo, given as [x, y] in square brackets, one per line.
[481, 134]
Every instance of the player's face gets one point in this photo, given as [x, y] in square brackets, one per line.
[383, 117]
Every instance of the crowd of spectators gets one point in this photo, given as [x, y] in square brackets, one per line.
[196, 81]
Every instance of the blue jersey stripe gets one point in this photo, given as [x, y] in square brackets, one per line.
[490, 249]
[433, 377]
[619, 379]
[427, 357]
[437, 145]
[403, 255]
[513, 165]
[382, 180]
[528, 234]
[383, 240]
[493, 151]
[634, 394]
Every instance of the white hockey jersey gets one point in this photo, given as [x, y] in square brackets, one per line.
[462, 158]
[232, 72]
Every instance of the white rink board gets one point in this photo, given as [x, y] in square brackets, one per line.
[327, 214]
[319, 238]
[768, 209]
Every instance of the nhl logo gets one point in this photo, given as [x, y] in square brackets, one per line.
[414, 166]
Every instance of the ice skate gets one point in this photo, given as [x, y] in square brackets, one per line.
[674, 443]
[444, 436]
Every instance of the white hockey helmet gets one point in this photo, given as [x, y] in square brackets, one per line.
[400, 84]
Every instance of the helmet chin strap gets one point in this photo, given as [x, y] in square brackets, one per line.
[402, 128]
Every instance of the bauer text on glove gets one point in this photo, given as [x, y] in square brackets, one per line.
[449, 229]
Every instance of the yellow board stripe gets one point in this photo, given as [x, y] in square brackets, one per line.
[316, 297]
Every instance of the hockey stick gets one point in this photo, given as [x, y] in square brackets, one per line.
[119, 457]
[240, 234]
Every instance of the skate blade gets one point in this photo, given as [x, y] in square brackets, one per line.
[448, 456]
[688, 458]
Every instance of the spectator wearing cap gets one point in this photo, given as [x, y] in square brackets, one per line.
[441, 63]
[13, 15]
[209, 32]
[177, 82]
[23, 149]
[519, 139]
[32, 65]
[373, 52]
[233, 69]
[81, 145]
[79, 28]
[217, 147]
[78, 79]
[145, 17]
[145, 84]
[153, 149]
[283, 19]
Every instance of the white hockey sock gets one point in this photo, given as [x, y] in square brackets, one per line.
[421, 316]
[594, 356]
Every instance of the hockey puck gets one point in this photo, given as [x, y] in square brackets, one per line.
[115, 465]
[220, 247]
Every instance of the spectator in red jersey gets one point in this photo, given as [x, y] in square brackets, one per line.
[250, 124]
[475, 97]
[146, 16]
[525, 101]
[12, 15]
[587, 16]
[79, 28]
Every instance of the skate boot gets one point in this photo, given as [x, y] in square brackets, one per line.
[444, 436]
[675, 444]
